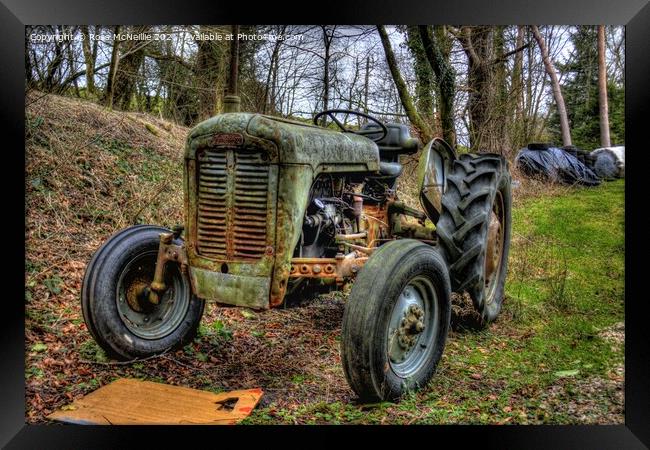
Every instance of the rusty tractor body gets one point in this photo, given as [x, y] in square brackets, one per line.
[272, 204]
[249, 184]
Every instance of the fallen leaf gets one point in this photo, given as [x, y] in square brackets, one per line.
[247, 314]
[566, 373]
[40, 347]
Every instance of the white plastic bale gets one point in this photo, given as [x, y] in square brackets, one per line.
[610, 162]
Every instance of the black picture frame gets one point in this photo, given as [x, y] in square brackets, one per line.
[634, 14]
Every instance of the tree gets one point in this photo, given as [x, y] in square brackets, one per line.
[555, 84]
[272, 74]
[126, 73]
[424, 84]
[112, 69]
[580, 90]
[483, 47]
[602, 89]
[89, 59]
[210, 64]
[415, 118]
[56, 62]
[437, 48]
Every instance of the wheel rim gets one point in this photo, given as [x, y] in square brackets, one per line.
[141, 317]
[413, 327]
[494, 250]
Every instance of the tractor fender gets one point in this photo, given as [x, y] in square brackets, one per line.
[435, 163]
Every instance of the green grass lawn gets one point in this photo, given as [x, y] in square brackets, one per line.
[550, 357]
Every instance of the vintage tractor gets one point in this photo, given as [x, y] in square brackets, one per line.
[273, 206]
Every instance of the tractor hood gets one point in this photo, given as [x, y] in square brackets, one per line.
[293, 142]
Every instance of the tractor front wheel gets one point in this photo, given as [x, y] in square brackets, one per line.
[114, 298]
[396, 321]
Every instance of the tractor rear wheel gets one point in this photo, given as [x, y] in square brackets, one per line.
[396, 321]
[474, 229]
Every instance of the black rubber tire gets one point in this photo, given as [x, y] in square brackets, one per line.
[364, 334]
[472, 187]
[99, 297]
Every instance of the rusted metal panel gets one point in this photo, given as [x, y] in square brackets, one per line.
[233, 204]
[136, 402]
[293, 195]
[239, 290]
[323, 149]
[247, 184]
[231, 195]
[340, 268]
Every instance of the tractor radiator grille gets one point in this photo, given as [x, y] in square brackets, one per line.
[232, 204]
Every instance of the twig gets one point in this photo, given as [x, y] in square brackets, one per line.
[124, 363]
[34, 101]
[169, 358]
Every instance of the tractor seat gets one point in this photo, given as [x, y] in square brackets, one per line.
[390, 169]
[397, 141]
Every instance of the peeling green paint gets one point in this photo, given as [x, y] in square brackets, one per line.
[240, 290]
[297, 153]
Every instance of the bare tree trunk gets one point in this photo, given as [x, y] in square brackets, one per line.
[517, 92]
[126, 76]
[366, 86]
[404, 96]
[271, 76]
[424, 79]
[501, 115]
[438, 58]
[353, 85]
[112, 69]
[71, 65]
[555, 84]
[602, 89]
[209, 64]
[88, 58]
[54, 65]
[478, 44]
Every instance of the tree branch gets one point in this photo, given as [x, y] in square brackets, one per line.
[510, 53]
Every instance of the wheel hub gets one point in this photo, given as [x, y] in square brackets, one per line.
[408, 328]
[411, 326]
[139, 315]
[494, 248]
[493, 252]
[136, 296]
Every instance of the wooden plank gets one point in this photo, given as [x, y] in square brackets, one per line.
[135, 402]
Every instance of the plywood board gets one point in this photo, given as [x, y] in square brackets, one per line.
[135, 402]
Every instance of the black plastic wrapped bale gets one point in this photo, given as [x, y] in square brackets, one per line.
[555, 164]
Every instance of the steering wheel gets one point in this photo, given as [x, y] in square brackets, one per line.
[367, 132]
